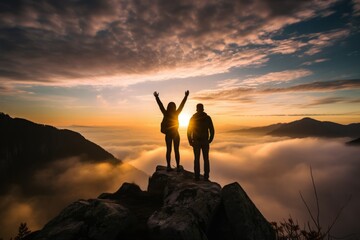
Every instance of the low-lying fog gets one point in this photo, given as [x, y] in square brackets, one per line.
[271, 170]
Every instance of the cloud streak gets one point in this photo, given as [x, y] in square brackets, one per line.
[237, 93]
[277, 77]
[318, 86]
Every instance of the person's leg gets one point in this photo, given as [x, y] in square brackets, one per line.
[176, 149]
[196, 149]
[168, 140]
[205, 151]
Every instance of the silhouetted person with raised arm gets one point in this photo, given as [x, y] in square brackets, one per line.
[169, 126]
[200, 134]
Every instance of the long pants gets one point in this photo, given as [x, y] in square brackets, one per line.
[204, 147]
[169, 139]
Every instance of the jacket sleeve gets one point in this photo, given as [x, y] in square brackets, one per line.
[161, 106]
[211, 130]
[190, 131]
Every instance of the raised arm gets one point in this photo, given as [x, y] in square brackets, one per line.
[182, 104]
[161, 106]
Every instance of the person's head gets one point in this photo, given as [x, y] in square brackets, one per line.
[200, 107]
[171, 107]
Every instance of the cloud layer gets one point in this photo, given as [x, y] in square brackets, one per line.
[271, 170]
[47, 41]
[273, 173]
[56, 186]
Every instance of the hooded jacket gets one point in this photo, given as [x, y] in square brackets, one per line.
[201, 128]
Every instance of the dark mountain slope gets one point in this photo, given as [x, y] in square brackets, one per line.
[26, 146]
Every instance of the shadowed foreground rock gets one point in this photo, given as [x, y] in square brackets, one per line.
[174, 207]
[245, 219]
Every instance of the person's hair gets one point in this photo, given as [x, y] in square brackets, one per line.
[171, 107]
[200, 107]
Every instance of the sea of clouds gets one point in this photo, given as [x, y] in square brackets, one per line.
[271, 170]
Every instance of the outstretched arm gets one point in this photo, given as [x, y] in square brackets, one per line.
[161, 106]
[182, 104]
[211, 130]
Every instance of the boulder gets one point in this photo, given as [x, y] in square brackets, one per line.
[189, 206]
[245, 220]
[89, 219]
[127, 189]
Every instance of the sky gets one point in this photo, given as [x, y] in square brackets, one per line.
[93, 65]
[77, 62]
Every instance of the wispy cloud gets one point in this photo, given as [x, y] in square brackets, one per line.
[356, 6]
[320, 60]
[277, 77]
[306, 44]
[331, 100]
[327, 100]
[318, 41]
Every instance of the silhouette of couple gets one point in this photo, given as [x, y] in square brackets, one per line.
[200, 134]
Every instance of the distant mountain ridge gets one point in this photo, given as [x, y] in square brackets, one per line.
[25, 146]
[307, 127]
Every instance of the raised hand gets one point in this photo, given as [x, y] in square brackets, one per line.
[187, 93]
[156, 94]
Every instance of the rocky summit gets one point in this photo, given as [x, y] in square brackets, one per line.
[175, 206]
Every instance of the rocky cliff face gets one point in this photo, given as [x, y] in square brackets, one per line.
[174, 207]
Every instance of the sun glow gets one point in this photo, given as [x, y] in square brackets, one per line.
[184, 119]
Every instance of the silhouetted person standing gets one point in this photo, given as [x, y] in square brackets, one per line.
[200, 134]
[169, 126]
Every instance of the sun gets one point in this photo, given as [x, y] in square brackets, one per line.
[184, 119]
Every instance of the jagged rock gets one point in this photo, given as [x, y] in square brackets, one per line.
[161, 178]
[174, 207]
[127, 189]
[245, 220]
[188, 208]
[89, 219]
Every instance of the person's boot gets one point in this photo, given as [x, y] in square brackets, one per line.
[206, 177]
